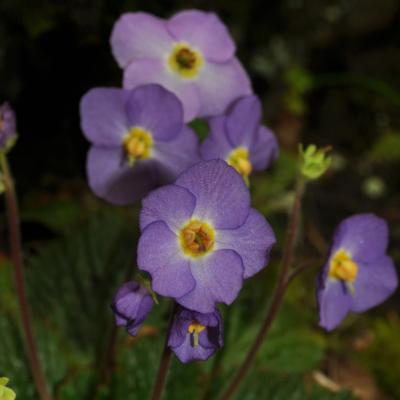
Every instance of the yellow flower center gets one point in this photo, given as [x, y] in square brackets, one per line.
[185, 61]
[239, 159]
[197, 238]
[343, 267]
[138, 144]
[194, 329]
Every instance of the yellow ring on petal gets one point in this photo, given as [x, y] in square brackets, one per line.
[342, 267]
[197, 238]
[239, 159]
[185, 61]
[138, 143]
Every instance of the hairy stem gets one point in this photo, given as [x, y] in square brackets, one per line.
[165, 362]
[17, 259]
[277, 296]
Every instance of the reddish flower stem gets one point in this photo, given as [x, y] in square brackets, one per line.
[277, 296]
[17, 259]
[165, 362]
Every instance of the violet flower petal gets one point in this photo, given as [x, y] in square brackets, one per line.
[375, 282]
[219, 84]
[112, 179]
[139, 35]
[160, 255]
[216, 144]
[252, 241]
[221, 194]
[132, 303]
[243, 120]
[219, 278]
[334, 303]
[265, 149]
[204, 31]
[364, 236]
[154, 71]
[210, 339]
[178, 154]
[157, 110]
[103, 118]
[172, 204]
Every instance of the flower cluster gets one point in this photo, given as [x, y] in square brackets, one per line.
[200, 237]
[191, 54]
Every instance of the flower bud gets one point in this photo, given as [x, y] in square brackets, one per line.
[8, 131]
[313, 161]
[132, 303]
[195, 336]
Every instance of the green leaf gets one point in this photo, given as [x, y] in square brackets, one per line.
[200, 126]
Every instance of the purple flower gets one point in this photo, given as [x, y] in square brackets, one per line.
[8, 129]
[358, 275]
[191, 54]
[195, 336]
[132, 303]
[239, 139]
[139, 141]
[200, 237]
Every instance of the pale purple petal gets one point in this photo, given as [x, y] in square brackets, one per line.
[252, 241]
[265, 149]
[219, 278]
[144, 309]
[155, 71]
[139, 35]
[186, 352]
[8, 124]
[103, 118]
[178, 332]
[132, 303]
[221, 194]
[126, 303]
[219, 85]
[364, 236]
[215, 331]
[334, 301]
[243, 120]
[374, 283]
[205, 31]
[111, 178]
[157, 110]
[159, 254]
[177, 155]
[216, 145]
[172, 204]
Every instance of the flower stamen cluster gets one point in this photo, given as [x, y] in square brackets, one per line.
[197, 238]
[195, 328]
[239, 159]
[342, 267]
[185, 61]
[138, 144]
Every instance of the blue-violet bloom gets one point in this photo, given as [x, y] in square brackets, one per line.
[132, 303]
[191, 54]
[195, 336]
[200, 237]
[239, 139]
[358, 274]
[139, 141]
[8, 129]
